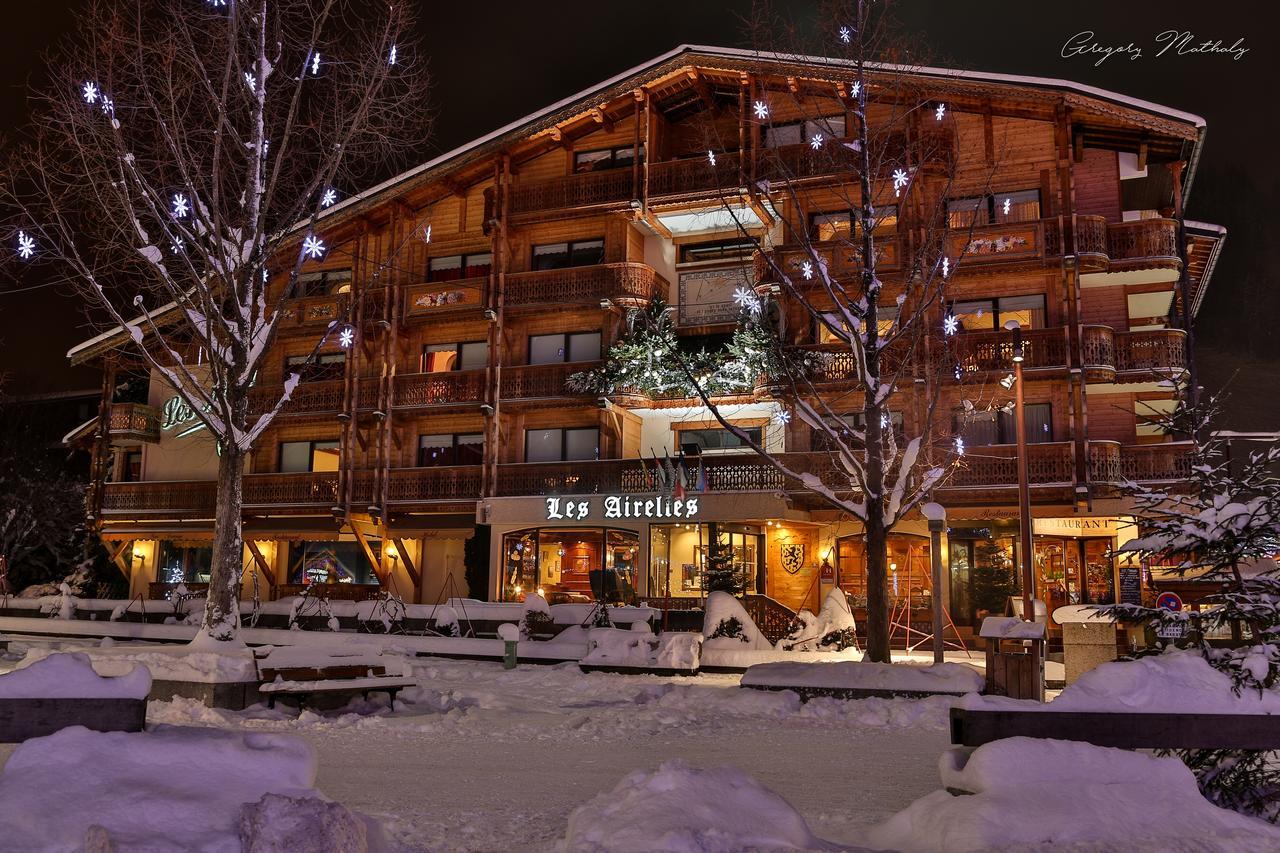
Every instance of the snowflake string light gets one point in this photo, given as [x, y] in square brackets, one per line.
[711, 155]
[782, 417]
[313, 247]
[900, 179]
[884, 421]
[217, 3]
[1005, 207]
[806, 269]
[957, 372]
[265, 276]
[329, 198]
[26, 246]
[959, 446]
[816, 142]
[946, 267]
[176, 246]
[857, 88]
[391, 57]
[747, 300]
[761, 110]
[90, 92]
[181, 207]
[950, 325]
[940, 112]
[845, 34]
[315, 63]
[251, 81]
[346, 337]
[426, 235]
[108, 106]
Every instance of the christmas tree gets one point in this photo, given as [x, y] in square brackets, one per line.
[995, 577]
[722, 574]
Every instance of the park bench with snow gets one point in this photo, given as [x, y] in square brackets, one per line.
[300, 679]
[64, 690]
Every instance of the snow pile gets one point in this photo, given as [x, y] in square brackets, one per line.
[1029, 792]
[165, 663]
[678, 650]
[279, 823]
[832, 628]
[680, 808]
[1176, 682]
[70, 675]
[727, 625]
[855, 675]
[60, 606]
[618, 647]
[167, 789]
[536, 618]
[446, 621]
[1010, 628]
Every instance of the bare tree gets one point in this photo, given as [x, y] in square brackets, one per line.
[180, 165]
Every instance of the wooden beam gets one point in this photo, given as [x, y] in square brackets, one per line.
[408, 562]
[368, 553]
[1142, 155]
[702, 88]
[261, 562]
[117, 556]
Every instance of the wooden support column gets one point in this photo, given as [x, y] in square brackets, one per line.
[648, 150]
[637, 189]
[262, 564]
[101, 450]
[368, 553]
[408, 564]
[1070, 284]
[1184, 283]
[497, 299]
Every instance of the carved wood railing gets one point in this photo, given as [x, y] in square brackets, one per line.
[314, 310]
[1142, 243]
[1156, 462]
[629, 284]
[134, 422]
[307, 398]
[541, 381]
[772, 617]
[453, 482]
[183, 497]
[1091, 235]
[439, 297]
[1098, 347]
[843, 258]
[1007, 241]
[440, 389]
[609, 186]
[319, 488]
[694, 175]
[1105, 465]
[1153, 350]
[1050, 463]
[1042, 349]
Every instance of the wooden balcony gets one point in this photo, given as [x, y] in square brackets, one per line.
[419, 390]
[609, 187]
[630, 285]
[1158, 352]
[162, 498]
[843, 258]
[543, 381]
[1044, 350]
[129, 422]
[424, 485]
[314, 310]
[1002, 243]
[1114, 464]
[308, 398]
[1103, 246]
[310, 490]
[1048, 464]
[436, 298]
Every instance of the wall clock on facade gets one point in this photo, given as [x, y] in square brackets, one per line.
[792, 557]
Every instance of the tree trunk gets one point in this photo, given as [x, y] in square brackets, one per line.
[877, 585]
[222, 610]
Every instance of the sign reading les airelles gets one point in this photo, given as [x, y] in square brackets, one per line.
[620, 506]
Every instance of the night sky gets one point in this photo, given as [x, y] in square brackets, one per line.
[494, 62]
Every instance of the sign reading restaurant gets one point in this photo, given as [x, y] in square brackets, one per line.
[620, 506]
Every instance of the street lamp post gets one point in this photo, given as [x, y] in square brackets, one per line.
[937, 517]
[1024, 485]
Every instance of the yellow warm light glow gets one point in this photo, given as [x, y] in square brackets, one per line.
[391, 551]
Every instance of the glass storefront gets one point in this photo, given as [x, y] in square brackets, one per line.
[908, 569]
[566, 565]
[184, 562]
[1074, 571]
[678, 557]
[330, 562]
[984, 573]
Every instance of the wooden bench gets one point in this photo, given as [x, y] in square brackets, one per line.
[1129, 730]
[304, 682]
[21, 719]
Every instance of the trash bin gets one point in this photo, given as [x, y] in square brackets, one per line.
[1015, 657]
[509, 633]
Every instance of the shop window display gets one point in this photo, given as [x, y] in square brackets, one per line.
[570, 565]
[329, 562]
[908, 570]
[679, 556]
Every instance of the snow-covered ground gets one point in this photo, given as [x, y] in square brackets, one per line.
[479, 758]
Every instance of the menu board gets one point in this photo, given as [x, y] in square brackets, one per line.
[1130, 585]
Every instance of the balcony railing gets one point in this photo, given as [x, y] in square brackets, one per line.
[315, 489]
[609, 186]
[1007, 241]
[417, 485]
[1162, 351]
[1051, 463]
[842, 258]
[134, 422]
[307, 398]
[1168, 461]
[1143, 243]
[628, 284]
[177, 497]
[440, 389]
[1043, 349]
[694, 175]
[314, 309]
[542, 381]
[434, 298]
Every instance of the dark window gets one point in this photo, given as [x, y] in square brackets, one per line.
[468, 355]
[324, 283]
[454, 267]
[1013, 206]
[318, 367]
[573, 346]
[183, 563]
[561, 445]
[131, 467]
[998, 427]
[796, 132]
[605, 158]
[457, 449]
[694, 442]
[967, 212]
[579, 253]
[331, 562]
[303, 456]
[987, 314]
[721, 250]
[839, 224]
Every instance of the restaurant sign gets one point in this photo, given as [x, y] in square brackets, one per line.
[620, 506]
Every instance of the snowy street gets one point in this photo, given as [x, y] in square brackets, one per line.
[479, 758]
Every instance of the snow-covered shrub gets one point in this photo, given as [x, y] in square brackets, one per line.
[536, 620]
[728, 625]
[832, 629]
[60, 606]
[446, 622]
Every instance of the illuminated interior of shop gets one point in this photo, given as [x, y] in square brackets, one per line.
[678, 556]
[908, 570]
[570, 565]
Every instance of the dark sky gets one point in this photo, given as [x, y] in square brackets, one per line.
[496, 61]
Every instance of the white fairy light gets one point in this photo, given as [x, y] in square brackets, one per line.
[946, 267]
[950, 325]
[108, 106]
[806, 269]
[816, 142]
[959, 446]
[426, 236]
[391, 58]
[315, 63]
[782, 417]
[940, 112]
[857, 88]
[711, 155]
[313, 247]
[761, 110]
[747, 300]
[89, 92]
[1005, 207]
[26, 246]
[329, 198]
[346, 337]
[845, 34]
[181, 207]
[900, 179]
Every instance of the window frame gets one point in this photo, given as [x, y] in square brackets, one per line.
[566, 346]
[464, 264]
[995, 310]
[564, 443]
[453, 448]
[311, 453]
[1005, 427]
[311, 365]
[457, 350]
[571, 246]
[303, 290]
[612, 159]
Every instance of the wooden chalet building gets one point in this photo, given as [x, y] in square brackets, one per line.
[450, 418]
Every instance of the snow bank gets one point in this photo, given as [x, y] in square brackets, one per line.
[165, 663]
[168, 789]
[722, 610]
[680, 808]
[70, 675]
[832, 628]
[638, 647]
[1176, 682]
[1029, 792]
[855, 675]
[741, 658]
[1010, 628]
